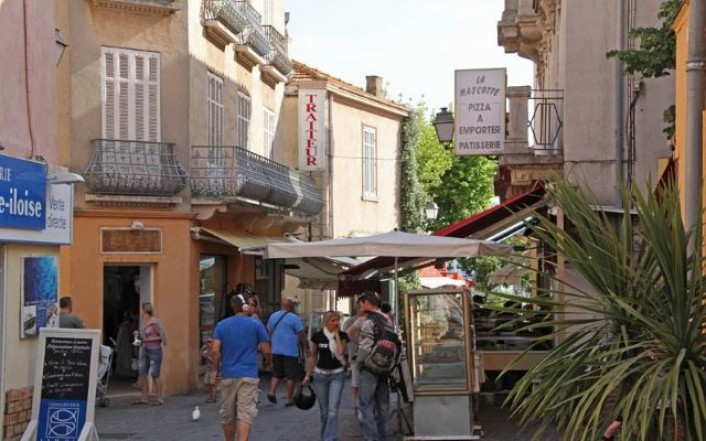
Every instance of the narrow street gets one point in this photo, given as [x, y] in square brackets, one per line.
[123, 421]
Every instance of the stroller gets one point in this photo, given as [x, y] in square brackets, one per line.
[105, 362]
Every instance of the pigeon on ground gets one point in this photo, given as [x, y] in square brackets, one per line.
[196, 414]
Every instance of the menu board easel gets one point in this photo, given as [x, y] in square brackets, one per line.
[63, 407]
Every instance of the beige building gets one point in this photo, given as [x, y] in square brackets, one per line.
[588, 120]
[360, 176]
[172, 111]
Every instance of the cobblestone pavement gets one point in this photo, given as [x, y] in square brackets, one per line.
[172, 421]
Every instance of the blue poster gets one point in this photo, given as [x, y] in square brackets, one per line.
[23, 187]
[39, 282]
[60, 419]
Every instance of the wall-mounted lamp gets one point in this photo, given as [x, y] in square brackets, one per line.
[64, 178]
[60, 45]
[137, 225]
[431, 210]
[444, 125]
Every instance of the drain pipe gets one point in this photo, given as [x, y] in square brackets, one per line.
[695, 67]
[619, 104]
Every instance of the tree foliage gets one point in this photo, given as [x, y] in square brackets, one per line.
[460, 185]
[656, 54]
[412, 197]
[633, 335]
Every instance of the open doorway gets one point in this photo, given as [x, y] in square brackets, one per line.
[125, 288]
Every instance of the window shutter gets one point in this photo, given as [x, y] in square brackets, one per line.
[123, 104]
[131, 84]
[215, 110]
[153, 101]
[109, 85]
[244, 112]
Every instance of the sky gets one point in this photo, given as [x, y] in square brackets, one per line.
[415, 45]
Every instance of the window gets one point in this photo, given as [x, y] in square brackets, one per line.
[244, 110]
[268, 123]
[131, 96]
[215, 110]
[370, 184]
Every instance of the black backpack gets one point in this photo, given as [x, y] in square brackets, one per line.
[387, 348]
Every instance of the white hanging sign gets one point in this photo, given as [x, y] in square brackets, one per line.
[480, 111]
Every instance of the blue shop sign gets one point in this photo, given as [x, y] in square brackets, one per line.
[22, 193]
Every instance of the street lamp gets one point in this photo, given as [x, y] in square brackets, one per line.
[444, 125]
[431, 210]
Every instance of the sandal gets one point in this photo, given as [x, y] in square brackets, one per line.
[210, 400]
[140, 402]
[157, 403]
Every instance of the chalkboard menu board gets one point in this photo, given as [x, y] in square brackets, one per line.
[66, 384]
[67, 368]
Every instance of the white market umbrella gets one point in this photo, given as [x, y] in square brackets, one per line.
[392, 244]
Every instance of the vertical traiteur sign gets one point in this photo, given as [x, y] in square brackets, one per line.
[312, 129]
[480, 111]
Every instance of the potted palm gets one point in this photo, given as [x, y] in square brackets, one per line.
[632, 344]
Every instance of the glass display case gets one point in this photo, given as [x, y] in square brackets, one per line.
[439, 351]
[438, 341]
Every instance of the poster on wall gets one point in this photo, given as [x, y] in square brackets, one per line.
[39, 295]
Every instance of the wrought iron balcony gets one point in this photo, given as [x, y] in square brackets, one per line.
[228, 13]
[122, 167]
[254, 36]
[229, 172]
[278, 56]
[546, 120]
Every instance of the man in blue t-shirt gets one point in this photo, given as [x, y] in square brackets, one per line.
[235, 344]
[286, 331]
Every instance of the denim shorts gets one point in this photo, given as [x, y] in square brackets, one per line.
[150, 358]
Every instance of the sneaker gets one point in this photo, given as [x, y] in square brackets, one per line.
[272, 399]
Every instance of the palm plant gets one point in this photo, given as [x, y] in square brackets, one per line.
[633, 344]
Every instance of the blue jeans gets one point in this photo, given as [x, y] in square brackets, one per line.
[328, 389]
[374, 404]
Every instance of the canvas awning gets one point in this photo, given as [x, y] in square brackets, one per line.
[240, 240]
[312, 272]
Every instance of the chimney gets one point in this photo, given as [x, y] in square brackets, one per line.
[373, 84]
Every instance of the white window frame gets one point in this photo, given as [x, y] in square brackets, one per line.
[244, 113]
[130, 95]
[268, 124]
[214, 101]
[370, 178]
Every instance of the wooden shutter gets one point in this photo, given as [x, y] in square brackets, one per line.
[215, 110]
[131, 95]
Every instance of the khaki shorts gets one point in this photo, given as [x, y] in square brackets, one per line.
[239, 400]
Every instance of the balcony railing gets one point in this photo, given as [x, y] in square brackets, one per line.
[227, 13]
[141, 168]
[229, 172]
[546, 120]
[278, 56]
[254, 36]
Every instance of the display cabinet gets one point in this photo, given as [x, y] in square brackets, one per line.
[439, 336]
